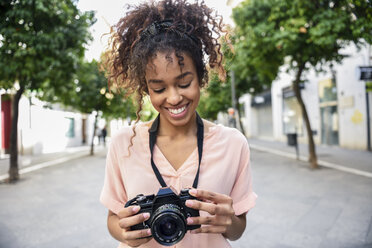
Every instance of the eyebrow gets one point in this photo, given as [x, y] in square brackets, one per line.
[176, 78]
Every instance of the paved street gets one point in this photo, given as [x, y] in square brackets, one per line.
[56, 207]
[300, 207]
[297, 207]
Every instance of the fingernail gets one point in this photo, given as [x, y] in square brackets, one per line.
[193, 192]
[189, 221]
[149, 231]
[135, 209]
[146, 215]
[189, 203]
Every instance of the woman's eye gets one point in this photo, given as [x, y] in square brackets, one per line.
[183, 86]
[158, 90]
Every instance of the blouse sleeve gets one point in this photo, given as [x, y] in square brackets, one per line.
[113, 195]
[242, 193]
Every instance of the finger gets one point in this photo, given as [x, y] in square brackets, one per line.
[138, 242]
[133, 220]
[129, 211]
[210, 196]
[213, 209]
[210, 220]
[210, 229]
[137, 234]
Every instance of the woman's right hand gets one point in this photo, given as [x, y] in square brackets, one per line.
[128, 217]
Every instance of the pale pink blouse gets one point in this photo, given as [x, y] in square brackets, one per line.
[225, 169]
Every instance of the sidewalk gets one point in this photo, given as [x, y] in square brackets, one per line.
[352, 161]
[28, 163]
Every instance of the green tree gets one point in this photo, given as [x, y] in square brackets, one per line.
[308, 34]
[40, 43]
[90, 94]
[217, 97]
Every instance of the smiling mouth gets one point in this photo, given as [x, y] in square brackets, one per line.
[177, 111]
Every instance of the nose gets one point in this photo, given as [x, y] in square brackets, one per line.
[174, 97]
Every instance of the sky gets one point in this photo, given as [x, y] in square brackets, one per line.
[108, 13]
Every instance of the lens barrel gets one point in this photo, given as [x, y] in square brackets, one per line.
[168, 224]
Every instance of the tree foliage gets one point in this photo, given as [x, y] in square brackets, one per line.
[311, 32]
[256, 61]
[90, 94]
[300, 34]
[41, 42]
[251, 74]
[215, 98]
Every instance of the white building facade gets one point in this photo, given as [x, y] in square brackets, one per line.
[44, 130]
[335, 100]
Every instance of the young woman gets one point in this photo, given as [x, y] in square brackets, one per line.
[160, 49]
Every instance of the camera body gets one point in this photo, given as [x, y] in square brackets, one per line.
[168, 214]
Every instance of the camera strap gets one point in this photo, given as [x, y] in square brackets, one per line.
[153, 131]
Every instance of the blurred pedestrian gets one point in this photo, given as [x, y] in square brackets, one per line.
[103, 135]
[160, 49]
[231, 117]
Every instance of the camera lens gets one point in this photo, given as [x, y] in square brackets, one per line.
[168, 224]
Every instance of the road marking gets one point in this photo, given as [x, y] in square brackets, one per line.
[320, 162]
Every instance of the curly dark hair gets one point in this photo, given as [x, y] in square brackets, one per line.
[194, 30]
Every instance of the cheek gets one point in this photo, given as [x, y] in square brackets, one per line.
[156, 101]
[153, 99]
[196, 95]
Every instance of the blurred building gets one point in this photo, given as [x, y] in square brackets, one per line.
[43, 129]
[335, 101]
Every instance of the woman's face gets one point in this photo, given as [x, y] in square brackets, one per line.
[174, 91]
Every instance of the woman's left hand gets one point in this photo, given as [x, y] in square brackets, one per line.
[219, 207]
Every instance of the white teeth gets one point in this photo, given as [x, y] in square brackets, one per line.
[177, 111]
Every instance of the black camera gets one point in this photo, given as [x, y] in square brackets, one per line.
[168, 214]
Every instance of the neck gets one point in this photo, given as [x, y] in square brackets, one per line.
[167, 129]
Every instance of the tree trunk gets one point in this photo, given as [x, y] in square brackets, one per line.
[312, 153]
[13, 168]
[94, 134]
